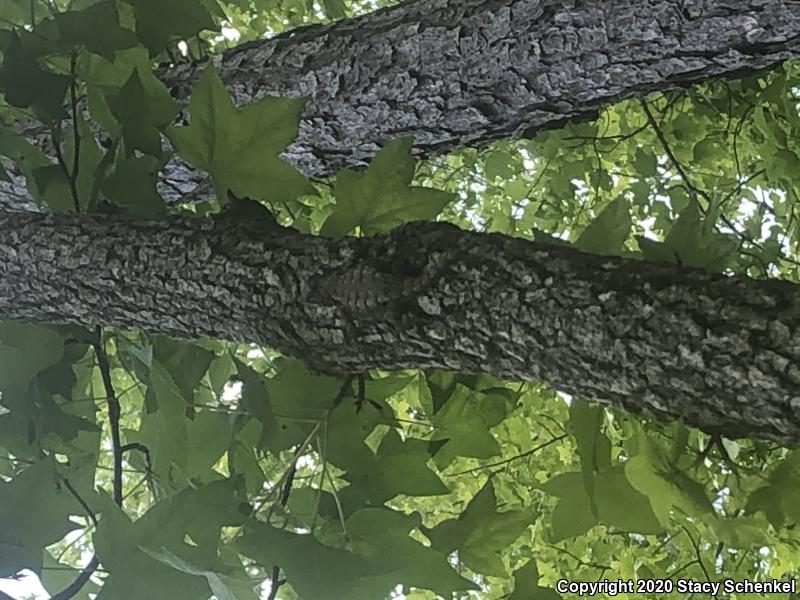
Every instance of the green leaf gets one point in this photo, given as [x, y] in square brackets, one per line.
[382, 197]
[706, 150]
[104, 78]
[334, 9]
[52, 189]
[498, 166]
[26, 84]
[574, 513]
[240, 148]
[132, 185]
[594, 447]
[142, 114]
[96, 28]
[692, 242]
[608, 232]
[56, 576]
[666, 486]
[645, 163]
[465, 421]
[36, 510]
[402, 466]
[742, 532]
[25, 155]
[125, 548]
[373, 530]
[620, 505]
[776, 499]
[186, 362]
[25, 351]
[481, 533]
[159, 22]
[279, 431]
[220, 584]
[315, 571]
[526, 584]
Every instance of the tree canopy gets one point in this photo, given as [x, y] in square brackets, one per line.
[239, 360]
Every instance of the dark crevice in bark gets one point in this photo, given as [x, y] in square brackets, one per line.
[721, 353]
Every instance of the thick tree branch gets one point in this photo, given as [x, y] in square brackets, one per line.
[451, 74]
[455, 73]
[721, 353]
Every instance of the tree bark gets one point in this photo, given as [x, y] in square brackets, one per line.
[720, 353]
[455, 73]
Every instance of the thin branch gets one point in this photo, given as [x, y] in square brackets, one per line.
[114, 412]
[141, 448]
[76, 137]
[55, 132]
[696, 547]
[289, 473]
[581, 562]
[81, 501]
[80, 581]
[283, 500]
[276, 583]
[512, 459]
[343, 390]
[670, 154]
[86, 573]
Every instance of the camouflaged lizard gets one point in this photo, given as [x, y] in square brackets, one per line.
[363, 288]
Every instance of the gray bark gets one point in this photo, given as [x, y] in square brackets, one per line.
[721, 353]
[455, 73]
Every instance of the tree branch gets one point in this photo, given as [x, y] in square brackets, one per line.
[718, 352]
[81, 580]
[410, 70]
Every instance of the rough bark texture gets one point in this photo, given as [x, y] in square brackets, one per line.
[721, 353]
[455, 73]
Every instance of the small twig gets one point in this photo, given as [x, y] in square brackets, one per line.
[683, 567]
[114, 413]
[700, 563]
[81, 501]
[76, 136]
[339, 509]
[283, 500]
[343, 390]
[287, 485]
[141, 448]
[79, 582]
[148, 463]
[71, 174]
[512, 459]
[55, 132]
[580, 561]
[276, 583]
[298, 453]
[86, 573]
[668, 150]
